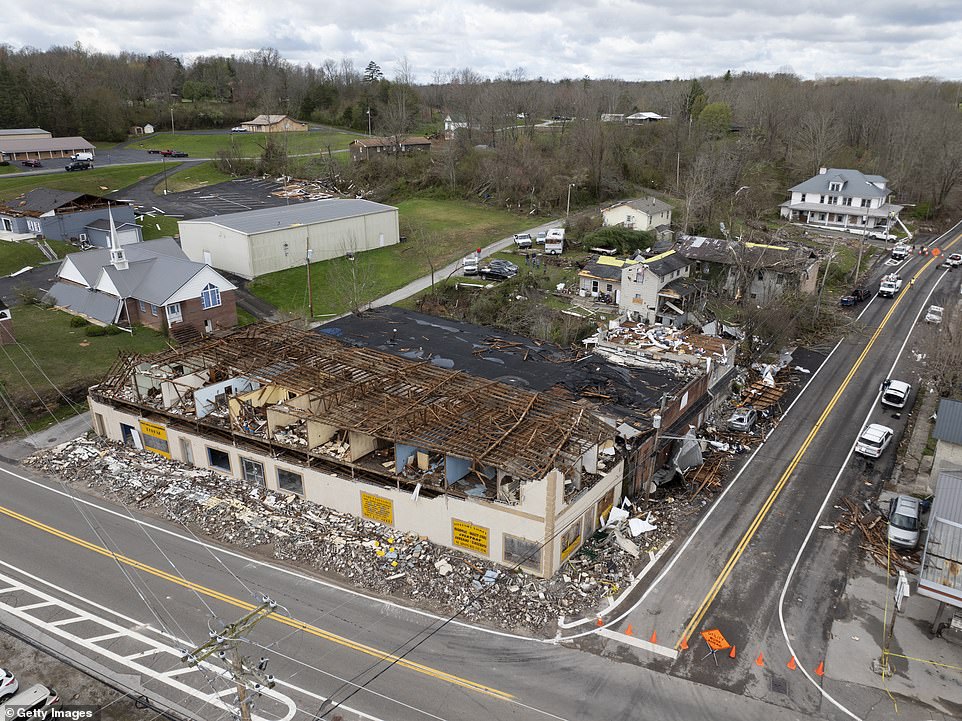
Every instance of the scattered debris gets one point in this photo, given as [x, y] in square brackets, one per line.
[368, 555]
[874, 541]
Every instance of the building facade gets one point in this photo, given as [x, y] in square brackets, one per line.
[275, 124]
[647, 214]
[843, 199]
[471, 465]
[366, 148]
[17, 147]
[654, 291]
[256, 242]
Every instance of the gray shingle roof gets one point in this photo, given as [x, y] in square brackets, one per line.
[90, 303]
[13, 132]
[651, 206]
[669, 263]
[856, 185]
[948, 424]
[318, 211]
[598, 270]
[90, 262]
[40, 200]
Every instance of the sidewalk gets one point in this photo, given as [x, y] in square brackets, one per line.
[15, 449]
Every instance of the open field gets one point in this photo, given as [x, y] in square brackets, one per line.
[192, 176]
[158, 226]
[246, 144]
[438, 231]
[98, 180]
[65, 354]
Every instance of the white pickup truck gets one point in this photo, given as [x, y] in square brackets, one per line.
[891, 284]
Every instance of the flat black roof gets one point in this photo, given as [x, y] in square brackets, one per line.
[627, 394]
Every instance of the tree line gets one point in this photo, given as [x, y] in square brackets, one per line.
[757, 132]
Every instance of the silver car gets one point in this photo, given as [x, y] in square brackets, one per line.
[743, 419]
[905, 522]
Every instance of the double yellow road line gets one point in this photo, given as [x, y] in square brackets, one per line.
[245, 606]
[726, 571]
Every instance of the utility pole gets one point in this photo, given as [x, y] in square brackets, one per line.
[568, 206]
[172, 120]
[224, 646]
[828, 264]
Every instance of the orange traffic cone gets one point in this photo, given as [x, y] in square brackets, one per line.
[630, 631]
[759, 661]
[791, 664]
[820, 671]
[600, 622]
[654, 637]
[684, 644]
[731, 654]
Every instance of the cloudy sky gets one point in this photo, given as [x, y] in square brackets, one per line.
[547, 38]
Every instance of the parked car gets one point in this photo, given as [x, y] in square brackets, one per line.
[167, 152]
[874, 440]
[858, 295]
[35, 702]
[743, 419]
[503, 264]
[523, 240]
[29, 163]
[954, 260]
[82, 156]
[78, 165]
[895, 393]
[178, 154]
[238, 129]
[154, 151]
[539, 238]
[498, 274]
[8, 684]
[934, 314]
[905, 521]
[470, 264]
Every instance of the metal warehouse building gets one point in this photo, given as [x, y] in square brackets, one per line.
[256, 242]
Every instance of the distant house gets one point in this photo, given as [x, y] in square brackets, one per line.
[453, 123]
[65, 215]
[602, 275]
[274, 124]
[752, 272]
[6, 325]
[643, 118]
[255, 242]
[658, 290]
[648, 214]
[948, 437]
[843, 199]
[612, 117]
[366, 148]
[151, 283]
[39, 147]
[148, 129]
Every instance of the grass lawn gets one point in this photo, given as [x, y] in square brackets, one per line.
[192, 176]
[16, 256]
[247, 144]
[450, 228]
[4, 169]
[65, 354]
[158, 226]
[99, 180]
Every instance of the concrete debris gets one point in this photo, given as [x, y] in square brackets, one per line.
[368, 555]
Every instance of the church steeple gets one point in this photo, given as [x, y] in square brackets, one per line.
[118, 258]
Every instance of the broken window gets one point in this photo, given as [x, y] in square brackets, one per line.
[522, 552]
[290, 481]
[253, 471]
[217, 458]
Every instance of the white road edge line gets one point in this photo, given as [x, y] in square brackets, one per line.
[791, 572]
[276, 568]
[639, 643]
[704, 520]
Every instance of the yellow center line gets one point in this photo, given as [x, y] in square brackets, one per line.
[244, 605]
[783, 479]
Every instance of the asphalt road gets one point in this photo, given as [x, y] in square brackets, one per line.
[458, 673]
[732, 574]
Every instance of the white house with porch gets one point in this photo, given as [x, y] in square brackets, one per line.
[844, 199]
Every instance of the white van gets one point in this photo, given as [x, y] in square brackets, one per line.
[35, 702]
[82, 156]
[905, 521]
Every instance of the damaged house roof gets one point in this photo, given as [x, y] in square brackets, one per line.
[411, 401]
[618, 393]
[716, 250]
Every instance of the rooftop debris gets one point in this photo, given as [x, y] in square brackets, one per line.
[365, 554]
[873, 527]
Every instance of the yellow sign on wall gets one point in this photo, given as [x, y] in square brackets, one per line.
[467, 535]
[154, 437]
[377, 508]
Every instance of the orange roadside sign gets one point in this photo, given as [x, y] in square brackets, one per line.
[936, 251]
[715, 639]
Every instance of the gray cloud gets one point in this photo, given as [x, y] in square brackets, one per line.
[549, 38]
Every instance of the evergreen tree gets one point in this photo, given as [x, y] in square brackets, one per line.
[373, 73]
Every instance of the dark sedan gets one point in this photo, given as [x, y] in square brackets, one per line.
[31, 163]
